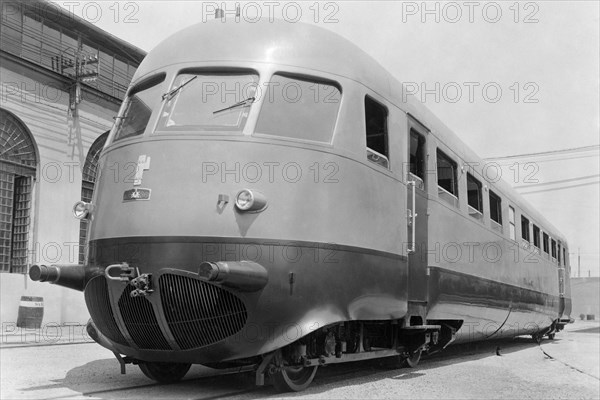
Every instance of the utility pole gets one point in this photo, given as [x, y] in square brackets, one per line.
[579, 262]
[83, 68]
[79, 72]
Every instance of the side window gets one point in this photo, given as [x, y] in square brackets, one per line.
[525, 228]
[417, 154]
[536, 236]
[495, 208]
[565, 256]
[376, 130]
[511, 222]
[546, 239]
[446, 171]
[474, 193]
[558, 254]
[553, 247]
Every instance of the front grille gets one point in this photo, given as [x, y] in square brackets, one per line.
[98, 304]
[198, 313]
[140, 321]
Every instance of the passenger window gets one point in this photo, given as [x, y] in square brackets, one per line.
[565, 256]
[376, 130]
[299, 108]
[417, 154]
[474, 193]
[495, 208]
[525, 228]
[536, 236]
[558, 254]
[546, 239]
[511, 222]
[446, 171]
[553, 248]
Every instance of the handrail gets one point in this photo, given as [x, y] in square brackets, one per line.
[413, 216]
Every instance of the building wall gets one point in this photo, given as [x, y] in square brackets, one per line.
[41, 100]
[586, 297]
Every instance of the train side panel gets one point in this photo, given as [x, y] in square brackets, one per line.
[497, 286]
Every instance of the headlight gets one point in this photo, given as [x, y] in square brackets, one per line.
[81, 209]
[244, 199]
[249, 200]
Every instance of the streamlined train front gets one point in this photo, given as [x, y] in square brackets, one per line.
[219, 203]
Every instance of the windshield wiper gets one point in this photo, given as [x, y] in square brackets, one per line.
[172, 92]
[246, 102]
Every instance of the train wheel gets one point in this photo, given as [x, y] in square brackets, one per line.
[551, 335]
[164, 372]
[293, 379]
[413, 360]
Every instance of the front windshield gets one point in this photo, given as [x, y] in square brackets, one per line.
[298, 107]
[137, 108]
[209, 102]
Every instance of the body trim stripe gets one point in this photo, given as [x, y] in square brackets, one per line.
[258, 241]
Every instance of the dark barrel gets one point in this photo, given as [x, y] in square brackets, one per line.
[31, 312]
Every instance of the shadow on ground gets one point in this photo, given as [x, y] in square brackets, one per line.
[102, 379]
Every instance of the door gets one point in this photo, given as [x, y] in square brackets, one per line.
[417, 224]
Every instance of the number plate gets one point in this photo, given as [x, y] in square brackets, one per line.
[136, 194]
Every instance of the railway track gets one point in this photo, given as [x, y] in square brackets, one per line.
[95, 378]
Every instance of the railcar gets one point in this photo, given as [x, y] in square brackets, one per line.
[268, 198]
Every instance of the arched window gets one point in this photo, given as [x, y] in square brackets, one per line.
[18, 163]
[89, 173]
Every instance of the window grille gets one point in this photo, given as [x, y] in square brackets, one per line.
[89, 174]
[18, 161]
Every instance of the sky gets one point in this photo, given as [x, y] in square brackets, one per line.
[508, 77]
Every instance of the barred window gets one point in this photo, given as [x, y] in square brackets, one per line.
[90, 172]
[18, 163]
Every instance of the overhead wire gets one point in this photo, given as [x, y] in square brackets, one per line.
[556, 156]
[560, 188]
[547, 153]
[539, 161]
[556, 182]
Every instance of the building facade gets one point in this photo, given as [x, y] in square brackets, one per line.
[62, 82]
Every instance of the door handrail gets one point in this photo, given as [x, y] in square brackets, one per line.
[413, 216]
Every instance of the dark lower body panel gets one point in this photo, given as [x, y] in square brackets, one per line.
[186, 319]
[489, 309]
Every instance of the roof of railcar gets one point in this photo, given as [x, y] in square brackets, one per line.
[313, 48]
